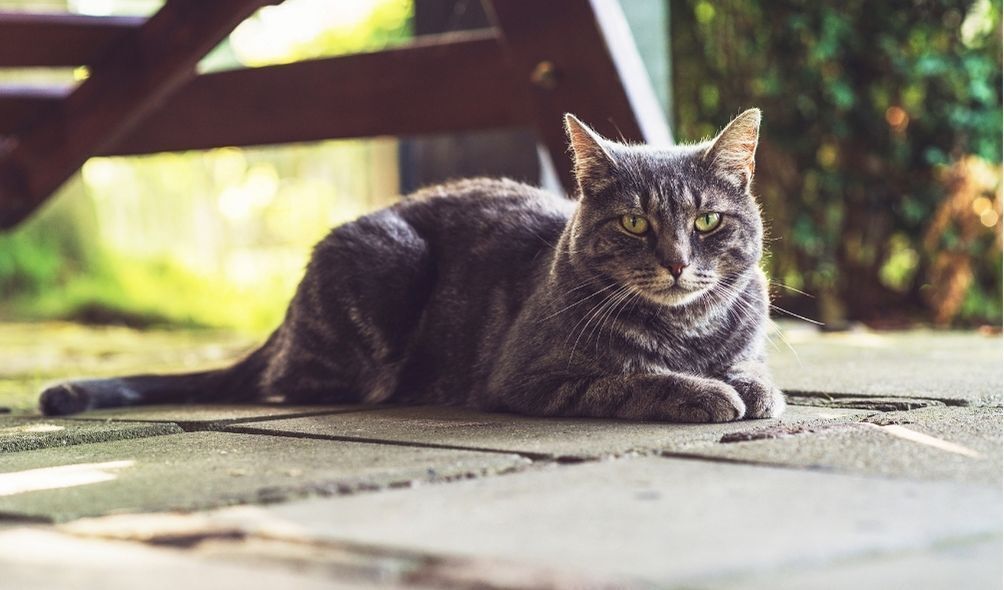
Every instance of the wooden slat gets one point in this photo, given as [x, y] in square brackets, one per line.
[59, 39]
[596, 72]
[128, 82]
[470, 82]
[20, 106]
[453, 82]
[439, 85]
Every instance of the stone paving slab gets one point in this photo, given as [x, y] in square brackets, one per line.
[25, 433]
[255, 536]
[196, 416]
[45, 559]
[552, 438]
[250, 534]
[971, 566]
[962, 444]
[960, 368]
[208, 469]
[667, 522]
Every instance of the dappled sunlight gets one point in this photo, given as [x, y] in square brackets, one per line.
[64, 476]
[30, 429]
[115, 7]
[911, 435]
[259, 187]
[302, 29]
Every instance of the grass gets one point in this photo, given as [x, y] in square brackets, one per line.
[145, 294]
[35, 354]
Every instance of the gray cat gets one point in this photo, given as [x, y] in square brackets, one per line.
[642, 299]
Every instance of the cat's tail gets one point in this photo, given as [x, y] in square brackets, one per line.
[240, 382]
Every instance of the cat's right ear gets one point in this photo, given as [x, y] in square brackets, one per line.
[732, 153]
[593, 162]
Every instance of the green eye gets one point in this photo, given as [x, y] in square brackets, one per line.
[634, 224]
[706, 222]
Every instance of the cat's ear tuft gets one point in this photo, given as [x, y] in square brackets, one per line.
[731, 154]
[593, 162]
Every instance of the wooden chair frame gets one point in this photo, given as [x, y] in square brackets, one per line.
[143, 95]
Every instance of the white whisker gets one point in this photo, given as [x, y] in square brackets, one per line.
[795, 315]
[592, 314]
[567, 307]
[790, 288]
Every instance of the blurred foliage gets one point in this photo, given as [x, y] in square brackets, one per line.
[216, 238]
[879, 168]
[879, 165]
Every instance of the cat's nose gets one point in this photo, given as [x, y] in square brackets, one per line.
[676, 269]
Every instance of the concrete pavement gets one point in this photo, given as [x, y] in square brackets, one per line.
[885, 473]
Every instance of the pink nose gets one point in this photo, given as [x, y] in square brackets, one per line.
[676, 269]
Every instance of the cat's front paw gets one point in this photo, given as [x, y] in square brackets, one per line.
[762, 399]
[714, 401]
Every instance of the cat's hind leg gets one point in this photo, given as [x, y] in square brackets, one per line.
[351, 321]
[344, 336]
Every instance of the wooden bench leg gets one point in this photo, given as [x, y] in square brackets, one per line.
[130, 80]
[578, 56]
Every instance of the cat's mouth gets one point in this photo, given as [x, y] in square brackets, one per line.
[673, 293]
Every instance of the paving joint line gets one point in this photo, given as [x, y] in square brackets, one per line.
[535, 457]
[950, 402]
[209, 425]
[694, 456]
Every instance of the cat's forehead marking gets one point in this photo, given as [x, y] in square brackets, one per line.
[679, 197]
[694, 195]
[650, 198]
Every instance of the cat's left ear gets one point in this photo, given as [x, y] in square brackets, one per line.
[593, 162]
[731, 154]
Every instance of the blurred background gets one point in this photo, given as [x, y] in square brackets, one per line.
[879, 168]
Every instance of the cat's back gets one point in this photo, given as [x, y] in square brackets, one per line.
[484, 209]
[461, 226]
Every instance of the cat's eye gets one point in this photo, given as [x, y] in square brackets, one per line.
[707, 222]
[635, 224]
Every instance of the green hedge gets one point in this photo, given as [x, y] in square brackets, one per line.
[879, 167]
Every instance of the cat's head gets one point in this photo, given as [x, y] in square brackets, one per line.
[675, 223]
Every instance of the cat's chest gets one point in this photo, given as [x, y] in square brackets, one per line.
[658, 344]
